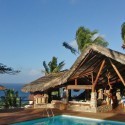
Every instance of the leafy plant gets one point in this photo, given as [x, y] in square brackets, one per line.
[53, 66]
[10, 98]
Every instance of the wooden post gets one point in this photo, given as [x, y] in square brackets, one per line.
[117, 72]
[97, 77]
[92, 78]
[108, 77]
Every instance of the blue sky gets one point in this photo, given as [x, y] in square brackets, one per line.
[32, 31]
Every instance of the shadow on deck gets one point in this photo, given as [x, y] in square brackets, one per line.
[18, 115]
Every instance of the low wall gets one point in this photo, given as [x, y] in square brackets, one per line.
[104, 108]
[49, 105]
[81, 108]
[73, 105]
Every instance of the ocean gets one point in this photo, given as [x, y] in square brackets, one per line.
[16, 87]
[23, 95]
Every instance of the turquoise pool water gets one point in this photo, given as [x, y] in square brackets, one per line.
[68, 120]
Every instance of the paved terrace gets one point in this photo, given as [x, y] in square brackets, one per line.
[18, 115]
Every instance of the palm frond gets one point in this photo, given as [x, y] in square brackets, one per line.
[67, 46]
[54, 63]
[46, 67]
[8, 70]
[84, 38]
[123, 32]
[61, 65]
[100, 41]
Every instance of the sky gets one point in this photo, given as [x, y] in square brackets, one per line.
[32, 31]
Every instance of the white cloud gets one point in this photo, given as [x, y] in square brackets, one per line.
[34, 72]
[73, 44]
[96, 35]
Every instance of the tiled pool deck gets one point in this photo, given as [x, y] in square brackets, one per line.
[18, 115]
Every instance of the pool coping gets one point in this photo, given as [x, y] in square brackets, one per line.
[7, 118]
[94, 119]
[78, 117]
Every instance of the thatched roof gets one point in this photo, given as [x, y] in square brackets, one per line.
[43, 83]
[91, 58]
[88, 62]
[2, 87]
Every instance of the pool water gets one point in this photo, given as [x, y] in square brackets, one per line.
[69, 120]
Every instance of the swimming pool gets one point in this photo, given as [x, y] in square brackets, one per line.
[69, 120]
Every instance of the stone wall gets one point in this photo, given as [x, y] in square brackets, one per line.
[104, 108]
[81, 108]
[93, 103]
[49, 105]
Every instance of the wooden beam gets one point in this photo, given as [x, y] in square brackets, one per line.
[85, 73]
[97, 65]
[92, 78]
[97, 77]
[84, 59]
[78, 87]
[75, 81]
[90, 67]
[82, 75]
[115, 81]
[117, 72]
[82, 62]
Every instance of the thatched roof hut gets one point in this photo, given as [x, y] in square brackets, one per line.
[90, 61]
[2, 87]
[44, 82]
[87, 64]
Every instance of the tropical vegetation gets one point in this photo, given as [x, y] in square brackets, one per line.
[8, 70]
[53, 66]
[10, 99]
[84, 38]
[123, 34]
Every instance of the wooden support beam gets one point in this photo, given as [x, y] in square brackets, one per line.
[115, 81]
[91, 66]
[92, 78]
[85, 72]
[78, 87]
[82, 62]
[97, 77]
[117, 72]
[84, 59]
[82, 75]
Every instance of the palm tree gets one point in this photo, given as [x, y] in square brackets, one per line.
[52, 66]
[8, 70]
[84, 38]
[123, 34]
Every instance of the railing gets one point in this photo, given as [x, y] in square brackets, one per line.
[48, 111]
